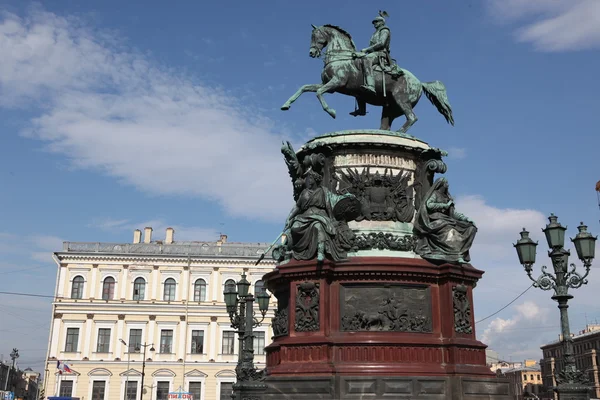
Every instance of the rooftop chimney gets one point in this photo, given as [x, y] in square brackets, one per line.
[223, 238]
[170, 236]
[147, 234]
[137, 236]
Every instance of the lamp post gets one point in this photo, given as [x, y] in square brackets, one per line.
[571, 383]
[13, 356]
[239, 305]
[126, 376]
[144, 367]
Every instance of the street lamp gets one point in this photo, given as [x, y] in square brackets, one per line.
[572, 383]
[13, 356]
[144, 367]
[241, 314]
[127, 376]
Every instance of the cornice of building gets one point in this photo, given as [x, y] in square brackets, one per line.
[184, 260]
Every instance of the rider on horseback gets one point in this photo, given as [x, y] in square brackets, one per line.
[378, 52]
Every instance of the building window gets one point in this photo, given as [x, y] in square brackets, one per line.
[166, 340]
[196, 390]
[531, 377]
[230, 285]
[169, 290]
[77, 287]
[108, 288]
[197, 342]
[200, 290]
[525, 377]
[66, 388]
[72, 340]
[98, 388]
[259, 286]
[226, 391]
[162, 390]
[228, 345]
[135, 340]
[139, 289]
[539, 377]
[259, 343]
[131, 390]
[103, 340]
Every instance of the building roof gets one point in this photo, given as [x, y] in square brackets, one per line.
[535, 368]
[215, 249]
[590, 331]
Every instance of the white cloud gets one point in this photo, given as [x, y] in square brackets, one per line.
[457, 153]
[553, 25]
[110, 109]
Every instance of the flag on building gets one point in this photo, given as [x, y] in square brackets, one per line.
[62, 367]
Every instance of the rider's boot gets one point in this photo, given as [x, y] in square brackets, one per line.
[369, 85]
[361, 109]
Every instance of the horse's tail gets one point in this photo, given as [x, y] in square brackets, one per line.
[436, 93]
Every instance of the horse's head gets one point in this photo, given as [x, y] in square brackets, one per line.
[318, 41]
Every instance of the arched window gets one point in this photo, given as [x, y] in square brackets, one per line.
[169, 292]
[77, 287]
[200, 290]
[230, 285]
[139, 288]
[259, 286]
[108, 288]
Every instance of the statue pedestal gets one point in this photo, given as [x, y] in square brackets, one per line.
[382, 327]
[384, 322]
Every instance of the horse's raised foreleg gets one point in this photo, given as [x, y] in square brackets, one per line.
[306, 88]
[329, 87]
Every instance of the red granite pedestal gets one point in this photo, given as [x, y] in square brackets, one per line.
[377, 328]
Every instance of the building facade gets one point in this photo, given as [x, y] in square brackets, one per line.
[586, 346]
[526, 381]
[160, 301]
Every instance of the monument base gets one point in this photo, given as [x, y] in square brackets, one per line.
[385, 388]
[572, 392]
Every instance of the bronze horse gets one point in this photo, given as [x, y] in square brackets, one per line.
[342, 73]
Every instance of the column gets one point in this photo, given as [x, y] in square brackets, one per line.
[215, 284]
[88, 336]
[124, 281]
[155, 282]
[214, 340]
[150, 334]
[62, 281]
[54, 346]
[92, 285]
[119, 350]
[182, 339]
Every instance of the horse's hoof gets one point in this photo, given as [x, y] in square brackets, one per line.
[285, 108]
[332, 113]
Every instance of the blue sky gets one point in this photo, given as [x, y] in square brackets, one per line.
[119, 115]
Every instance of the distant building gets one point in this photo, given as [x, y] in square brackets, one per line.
[165, 294]
[526, 381]
[586, 346]
[24, 384]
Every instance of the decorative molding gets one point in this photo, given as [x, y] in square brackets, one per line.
[182, 317]
[152, 317]
[121, 317]
[155, 267]
[462, 310]
[94, 265]
[213, 319]
[125, 266]
[280, 322]
[186, 268]
[383, 241]
[58, 315]
[307, 307]
[90, 316]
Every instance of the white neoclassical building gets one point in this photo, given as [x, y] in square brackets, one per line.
[113, 301]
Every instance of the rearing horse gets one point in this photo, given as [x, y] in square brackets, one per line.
[342, 73]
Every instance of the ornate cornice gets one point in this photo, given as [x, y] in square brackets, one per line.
[151, 259]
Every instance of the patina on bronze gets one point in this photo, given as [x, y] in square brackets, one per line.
[370, 76]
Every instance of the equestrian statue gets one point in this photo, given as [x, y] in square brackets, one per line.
[370, 75]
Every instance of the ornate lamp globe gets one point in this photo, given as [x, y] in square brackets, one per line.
[526, 249]
[585, 243]
[555, 232]
[243, 286]
[230, 296]
[263, 301]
